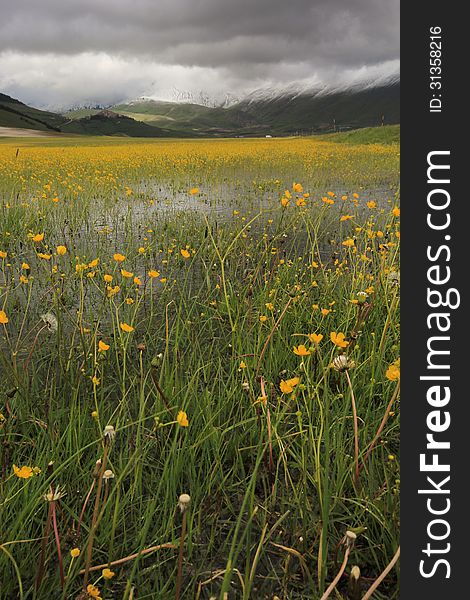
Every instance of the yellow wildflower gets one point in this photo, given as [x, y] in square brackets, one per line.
[23, 472]
[107, 573]
[182, 419]
[393, 372]
[301, 350]
[93, 591]
[316, 338]
[338, 339]
[287, 387]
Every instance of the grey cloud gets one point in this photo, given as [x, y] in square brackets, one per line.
[237, 41]
[209, 32]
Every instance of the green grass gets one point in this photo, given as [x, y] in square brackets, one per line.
[271, 473]
[389, 134]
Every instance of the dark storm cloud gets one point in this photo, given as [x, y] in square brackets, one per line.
[207, 32]
[240, 43]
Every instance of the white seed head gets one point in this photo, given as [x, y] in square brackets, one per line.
[342, 363]
[349, 539]
[109, 433]
[53, 495]
[50, 321]
[183, 502]
[108, 474]
[355, 573]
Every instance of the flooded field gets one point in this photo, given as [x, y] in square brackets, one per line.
[230, 308]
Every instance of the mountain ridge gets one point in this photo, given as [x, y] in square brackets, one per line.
[293, 110]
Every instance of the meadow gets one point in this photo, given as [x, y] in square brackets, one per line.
[199, 391]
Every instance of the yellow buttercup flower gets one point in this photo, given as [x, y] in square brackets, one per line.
[152, 274]
[338, 339]
[301, 350]
[119, 257]
[112, 291]
[193, 191]
[107, 573]
[38, 237]
[127, 328]
[75, 552]
[185, 253]
[393, 372]
[61, 250]
[126, 274]
[23, 472]
[182, 419]
[316, 338]
[102, 346]
[93, 591]
[3, 317]
[287, 387]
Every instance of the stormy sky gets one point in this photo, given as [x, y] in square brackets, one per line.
[58, 53]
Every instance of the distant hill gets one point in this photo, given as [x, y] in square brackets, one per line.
[14, 113]
[288, 112]
[106, 122]
[319, 110]
[292, 111]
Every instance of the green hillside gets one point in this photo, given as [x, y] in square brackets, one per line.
[304, 114]
[389, 134]
[189, 118]
[344, 109]
[110, 123]
[14, 113]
